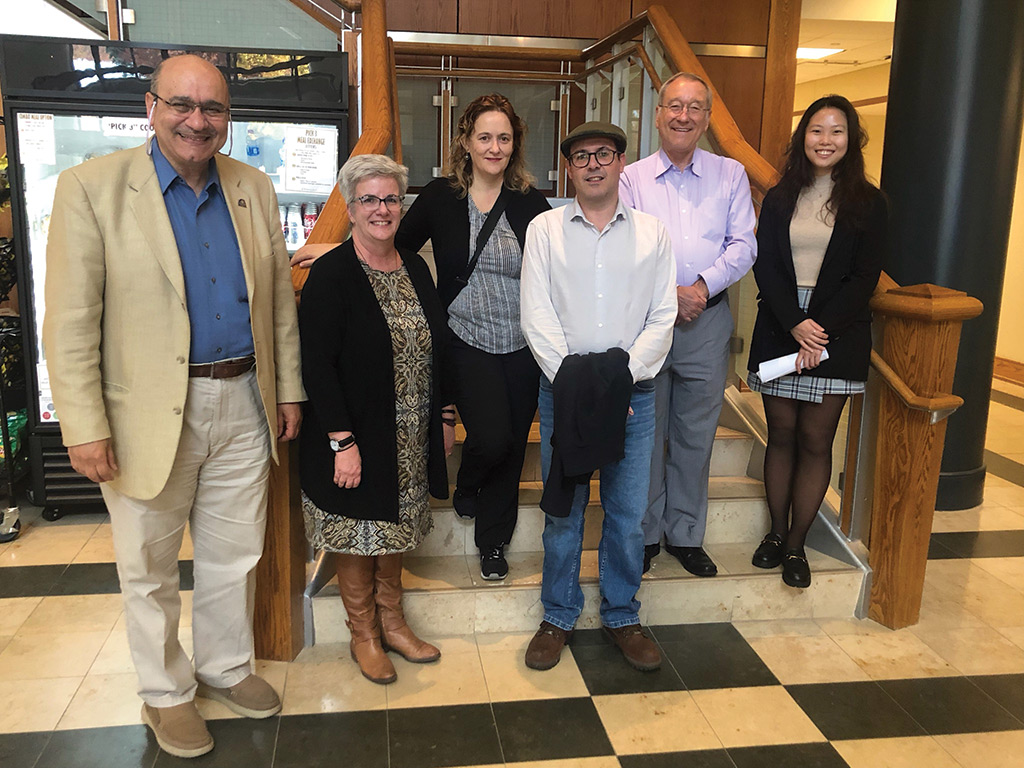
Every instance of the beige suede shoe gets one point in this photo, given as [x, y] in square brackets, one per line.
[253, 697]
[179, 730]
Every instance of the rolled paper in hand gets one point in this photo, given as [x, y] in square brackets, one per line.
[772, 369]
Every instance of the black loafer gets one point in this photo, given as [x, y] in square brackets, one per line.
[795, 570]
[651, 551]
[769, 552]
[694, 559]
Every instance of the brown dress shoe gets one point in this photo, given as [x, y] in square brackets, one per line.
[395, 634]
[545, 648]
[640, 651]
[179, 730]
[253, 697]
[355, 582]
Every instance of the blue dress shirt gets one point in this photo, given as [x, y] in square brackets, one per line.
[215, 290]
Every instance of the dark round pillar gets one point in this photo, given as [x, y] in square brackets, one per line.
[952, 137]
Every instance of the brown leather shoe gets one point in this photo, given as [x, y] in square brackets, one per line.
[640, 651]
[253, 697]
[395, 634]
[179, 730]
[355, 582]
[545, 648]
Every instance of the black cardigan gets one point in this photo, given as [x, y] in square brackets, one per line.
[441, 216]
[839, 303]
[348, 372]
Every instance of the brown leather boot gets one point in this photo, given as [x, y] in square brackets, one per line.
[395, 634]
[355, 582]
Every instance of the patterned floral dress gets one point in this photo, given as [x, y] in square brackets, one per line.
[412, 349]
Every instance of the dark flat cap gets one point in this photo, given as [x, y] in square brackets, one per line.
[591, 130]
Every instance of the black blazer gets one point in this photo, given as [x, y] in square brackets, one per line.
[440, 216]
[839, 303]
[348, 372]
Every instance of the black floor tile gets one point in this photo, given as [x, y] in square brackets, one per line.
[1001, 466]
[435, 737]
[1007, 690]
[333, 739]
[854, 711]
[606, 672]
[950, 705]
[802, 755]
[29, 580]
[712, 656]
[21, 750]
[88, 579]
[549, 730]
[705, 758]
[584, 637]
[129, 746]
[983, 543]
[237, 744]
[938, 551]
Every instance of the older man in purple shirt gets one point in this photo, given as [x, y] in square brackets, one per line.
[704, 201]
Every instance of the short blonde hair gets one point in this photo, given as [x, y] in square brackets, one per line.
[358, 168]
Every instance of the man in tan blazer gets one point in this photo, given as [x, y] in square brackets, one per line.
[172, 347]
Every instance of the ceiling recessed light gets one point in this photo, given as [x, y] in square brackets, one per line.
[817, 53]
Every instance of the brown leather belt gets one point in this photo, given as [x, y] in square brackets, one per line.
[224, 369]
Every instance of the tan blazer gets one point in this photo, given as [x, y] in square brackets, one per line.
[116, 330]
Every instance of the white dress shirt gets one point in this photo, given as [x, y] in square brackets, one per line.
[588, 290]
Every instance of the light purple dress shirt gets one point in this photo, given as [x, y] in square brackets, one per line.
[707, 210]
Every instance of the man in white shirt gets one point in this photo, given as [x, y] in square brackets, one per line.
[597, 276]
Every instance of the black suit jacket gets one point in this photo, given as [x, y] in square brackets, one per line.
[348, 369]
[442, 217]
[849, 273]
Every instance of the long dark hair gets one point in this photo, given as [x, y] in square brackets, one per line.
[459, 168]
[852, 193]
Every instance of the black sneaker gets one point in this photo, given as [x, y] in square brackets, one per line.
[464, 503]
[493, 566]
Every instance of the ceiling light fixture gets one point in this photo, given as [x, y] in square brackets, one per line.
[817, 53]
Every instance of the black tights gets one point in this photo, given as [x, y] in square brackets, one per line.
[798, 461]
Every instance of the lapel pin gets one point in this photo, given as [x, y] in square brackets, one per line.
[241, 203]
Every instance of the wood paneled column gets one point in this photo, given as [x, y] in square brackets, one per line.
[922, 334]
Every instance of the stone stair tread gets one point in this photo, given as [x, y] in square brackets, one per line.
[461, 572]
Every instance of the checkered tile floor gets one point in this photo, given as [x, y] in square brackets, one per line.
[803, 693]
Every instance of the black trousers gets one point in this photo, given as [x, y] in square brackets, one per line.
[497, 399]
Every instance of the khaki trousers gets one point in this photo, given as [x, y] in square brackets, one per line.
[218, 484]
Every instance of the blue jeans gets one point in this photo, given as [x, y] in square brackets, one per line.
[624, 499]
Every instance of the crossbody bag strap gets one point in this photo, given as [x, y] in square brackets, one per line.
[481, 239]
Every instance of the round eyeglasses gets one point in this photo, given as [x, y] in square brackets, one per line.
[581, 159]
[696, 111]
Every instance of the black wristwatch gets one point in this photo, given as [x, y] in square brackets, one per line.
[340, 445]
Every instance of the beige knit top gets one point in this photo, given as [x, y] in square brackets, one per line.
[810, 230]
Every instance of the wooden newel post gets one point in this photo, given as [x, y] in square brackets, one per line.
[921, 339]
[281, 573]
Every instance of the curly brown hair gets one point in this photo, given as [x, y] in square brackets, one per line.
[459, 168]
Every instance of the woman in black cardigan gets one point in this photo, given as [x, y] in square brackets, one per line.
[821, 242]
[373, 446]
[495, 378]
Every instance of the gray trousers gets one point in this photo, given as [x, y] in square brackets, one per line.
[688, 399]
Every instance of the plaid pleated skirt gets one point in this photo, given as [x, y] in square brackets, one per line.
[803, 386]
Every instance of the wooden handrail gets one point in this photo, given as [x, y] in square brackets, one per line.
[625, 53]
[941, 404]
[484, 74]
[628, 30]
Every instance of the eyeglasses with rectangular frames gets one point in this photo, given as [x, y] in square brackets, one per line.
[372, 202]
[695, 110]
[581, 159]
[213, 110]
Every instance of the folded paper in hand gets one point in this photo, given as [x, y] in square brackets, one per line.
[772, 369]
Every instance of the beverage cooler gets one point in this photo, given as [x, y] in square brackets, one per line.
[68, 101]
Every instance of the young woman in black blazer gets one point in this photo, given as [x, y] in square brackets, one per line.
[821, 242]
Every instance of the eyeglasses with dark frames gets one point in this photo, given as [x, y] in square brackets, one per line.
[212, 110]
[372, 202]
[581, 158]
